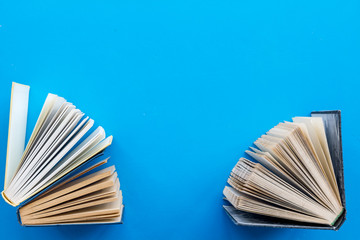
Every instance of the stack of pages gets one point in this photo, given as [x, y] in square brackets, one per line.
[293, 177]
[59, 177]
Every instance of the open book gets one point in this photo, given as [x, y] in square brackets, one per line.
[59, 178]
[292, 181]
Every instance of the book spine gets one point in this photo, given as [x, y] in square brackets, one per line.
[7, 199]
[19, 217]
[338, 216]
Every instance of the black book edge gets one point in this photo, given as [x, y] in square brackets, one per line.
[332, 122]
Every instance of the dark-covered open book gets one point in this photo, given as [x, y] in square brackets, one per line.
[295, 179]
[60, 177]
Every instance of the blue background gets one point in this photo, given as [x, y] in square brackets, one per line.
[184, 87]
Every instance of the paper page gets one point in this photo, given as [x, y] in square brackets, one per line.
[17, 129]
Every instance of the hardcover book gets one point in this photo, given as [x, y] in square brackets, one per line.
[59, 177]
[295, 179]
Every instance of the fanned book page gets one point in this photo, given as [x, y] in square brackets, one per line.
[292, 176]
[52, 178]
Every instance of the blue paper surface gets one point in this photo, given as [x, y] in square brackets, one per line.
[184, 87]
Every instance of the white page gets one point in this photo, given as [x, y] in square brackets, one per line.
[17, 129]
[43, 118]
[32, 148]
[65, 169]
[45, 176]
[11, 192]
[41, 158]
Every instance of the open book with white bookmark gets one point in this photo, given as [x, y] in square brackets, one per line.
[293, 183]
[57, 179]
